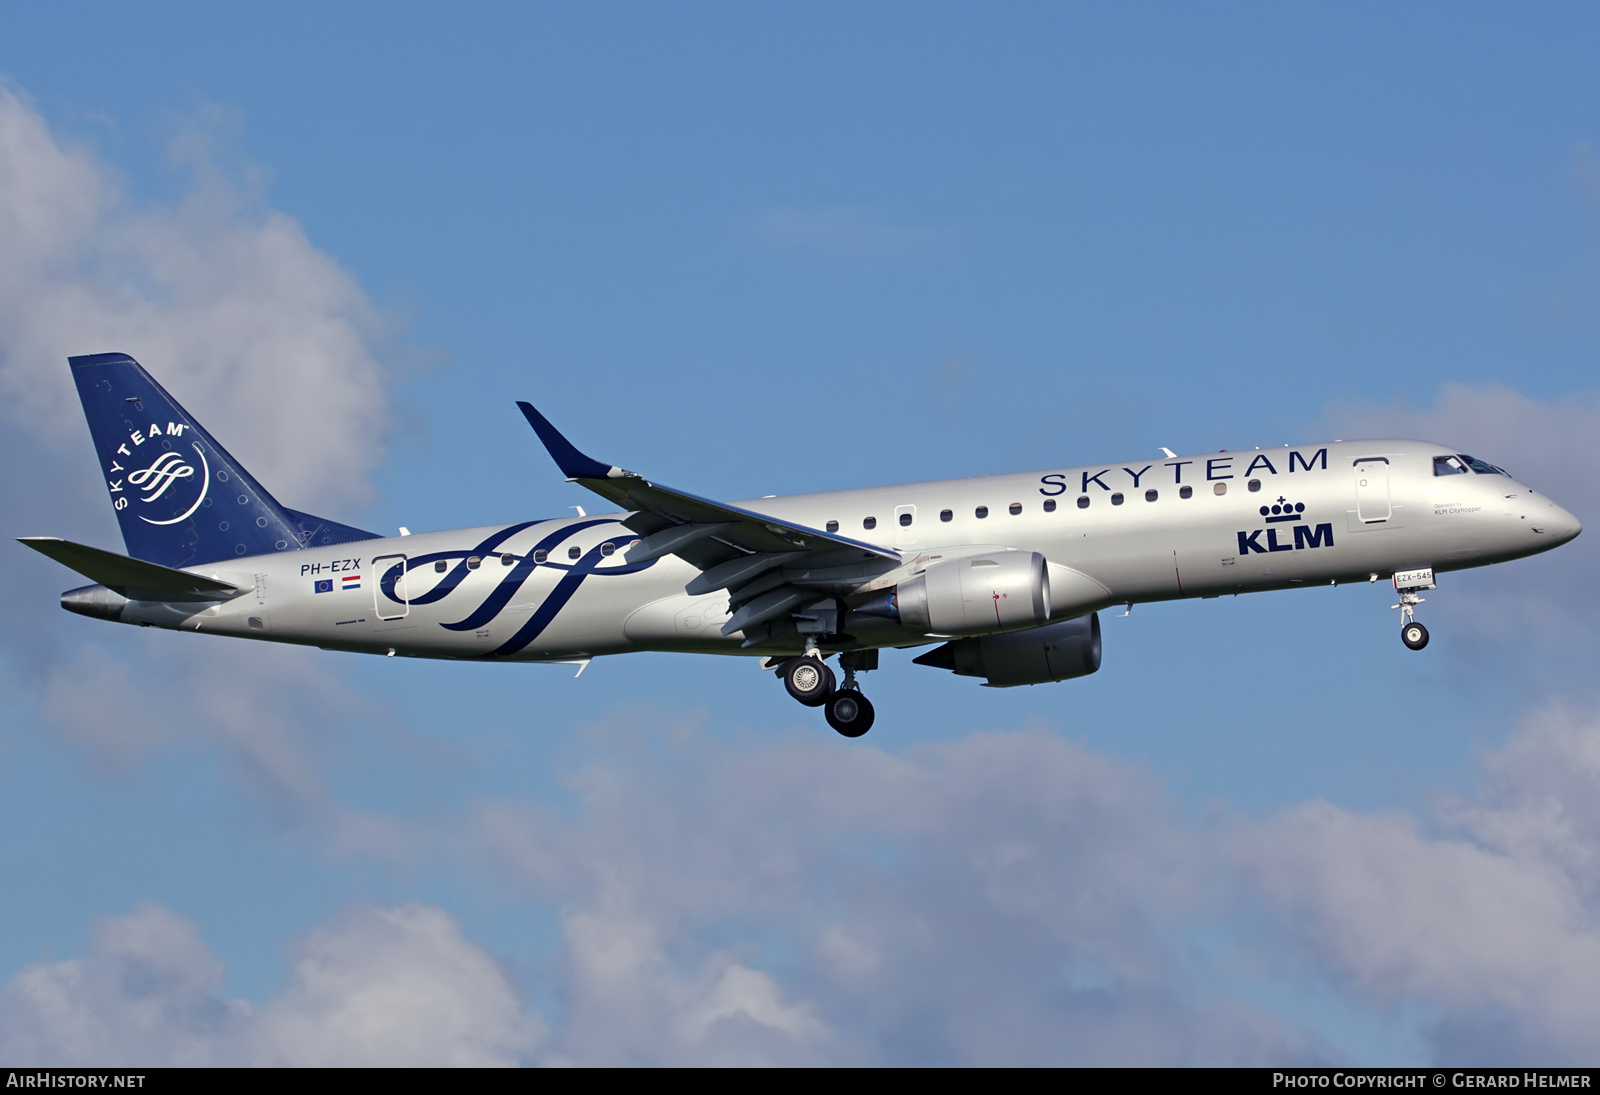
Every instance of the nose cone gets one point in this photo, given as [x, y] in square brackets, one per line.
[1563, 525]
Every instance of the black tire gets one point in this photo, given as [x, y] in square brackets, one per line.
[808, 680]
[849, 712]
[1414, 635]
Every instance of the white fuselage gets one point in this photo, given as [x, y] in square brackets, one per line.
[1151, 530]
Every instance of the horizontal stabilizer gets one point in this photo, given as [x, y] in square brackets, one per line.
[133, 578]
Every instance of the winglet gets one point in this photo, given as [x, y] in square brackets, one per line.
[573, 464]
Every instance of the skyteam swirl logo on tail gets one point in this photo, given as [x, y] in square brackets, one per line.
[169, 468]
[155, 479]
[167, 481]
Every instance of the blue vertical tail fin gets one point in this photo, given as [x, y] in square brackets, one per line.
[181, 499]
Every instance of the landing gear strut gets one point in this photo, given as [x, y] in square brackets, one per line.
[1407, 583]
[849, 712]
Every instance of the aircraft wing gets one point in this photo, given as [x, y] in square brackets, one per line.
[730, 544]
[133, 578]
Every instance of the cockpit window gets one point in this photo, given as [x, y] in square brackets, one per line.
[1449, 465]
[1480, 467]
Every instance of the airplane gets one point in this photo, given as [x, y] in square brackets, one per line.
[1006, 573]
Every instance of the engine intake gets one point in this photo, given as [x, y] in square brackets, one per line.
[979, 594]
[1039, 655]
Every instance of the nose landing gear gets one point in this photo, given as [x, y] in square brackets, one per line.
[1407, 583]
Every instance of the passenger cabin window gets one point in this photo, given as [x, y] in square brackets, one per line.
[1480, 467]
[1116, 499]
[1083, 501]
[1049, 505]
[507, 559]
[1220, 488]
[833, 526]
[540, 556]
[441, 566]
[1185, 492]
[572, 552]
[945, 515]
[1016, 508]
[905, 520]
[473, 562]
[870, 522]
[1151, 496]
[1254, 484]
[607, 548]
[981, 511]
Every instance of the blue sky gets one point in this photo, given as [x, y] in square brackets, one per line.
[755, 249]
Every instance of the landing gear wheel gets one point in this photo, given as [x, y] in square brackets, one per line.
[849, 712]
[1414, 635]
[808, 680]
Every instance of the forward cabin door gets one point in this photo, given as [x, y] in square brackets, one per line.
[1372, 491]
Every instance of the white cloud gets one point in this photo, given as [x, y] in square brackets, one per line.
[1015, 898]
[1008, 898]
[394, 987]
[266, 339]
[398, 986]
[1492, 912]
[278, 715]
[147, 995]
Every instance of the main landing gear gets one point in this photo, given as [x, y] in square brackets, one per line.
[809, 680]
[1408, 583]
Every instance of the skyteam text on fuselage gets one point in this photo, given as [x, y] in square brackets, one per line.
[1005, 572]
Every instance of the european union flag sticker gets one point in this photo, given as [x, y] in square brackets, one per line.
[325, 586]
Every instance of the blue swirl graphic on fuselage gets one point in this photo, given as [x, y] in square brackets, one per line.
[559, 597]
[460, 572]
[508, 586]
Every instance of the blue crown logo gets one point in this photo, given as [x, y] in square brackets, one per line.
[1283, 511]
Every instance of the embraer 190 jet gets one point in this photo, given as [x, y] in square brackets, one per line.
[1006, 573]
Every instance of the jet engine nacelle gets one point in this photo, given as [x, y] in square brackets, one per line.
[1000, 591]
[1057, 652]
